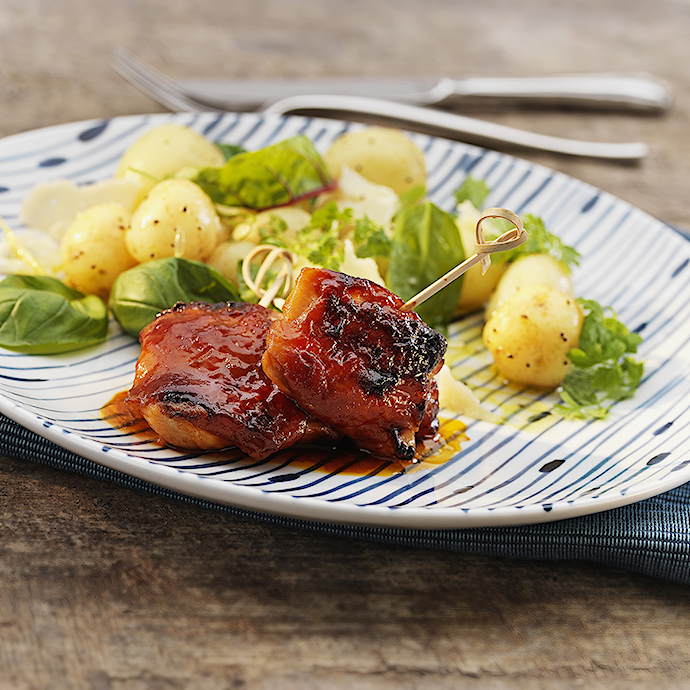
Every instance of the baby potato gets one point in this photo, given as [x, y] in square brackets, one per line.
[382, 155]
[531, 334]
[177, 218]
[163, 151]
[93, 248]
[476, 287]
[532, 269]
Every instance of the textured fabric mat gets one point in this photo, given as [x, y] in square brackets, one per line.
[650, 537]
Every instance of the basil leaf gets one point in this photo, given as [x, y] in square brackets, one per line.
[42, 316]
[413, 195]
[426, 245]
[274, 176]
[142, 292]
[40, 283]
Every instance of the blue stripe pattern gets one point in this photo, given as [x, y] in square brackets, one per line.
[533, 467]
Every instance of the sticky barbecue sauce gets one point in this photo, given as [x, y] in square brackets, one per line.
[344, 459]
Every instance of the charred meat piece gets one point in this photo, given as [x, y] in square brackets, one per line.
[199, 382]
[346, 353]
[429, 425]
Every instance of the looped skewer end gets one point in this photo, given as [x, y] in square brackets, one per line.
[516, 236]
[279, 288]
[483, 250]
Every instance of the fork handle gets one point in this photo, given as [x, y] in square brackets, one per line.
[640, 91]
[452, 125]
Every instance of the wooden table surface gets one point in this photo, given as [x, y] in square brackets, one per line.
[104, 587]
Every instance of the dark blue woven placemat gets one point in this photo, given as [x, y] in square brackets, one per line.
[650, 537]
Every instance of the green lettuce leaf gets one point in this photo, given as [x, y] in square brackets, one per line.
[426, 245]
[273, 176]
[413, 195]
[142, 292]
[41, 315]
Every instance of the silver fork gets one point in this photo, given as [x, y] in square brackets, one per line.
[170, 94]
[153, 83]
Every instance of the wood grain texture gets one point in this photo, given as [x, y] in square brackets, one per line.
[106, 588]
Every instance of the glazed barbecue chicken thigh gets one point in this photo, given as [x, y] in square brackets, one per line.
[347, 354]
[199, 383]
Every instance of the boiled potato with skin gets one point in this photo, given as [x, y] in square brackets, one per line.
[177, 218]
[382, 155]
[162, 151]
[476, 287]
[93, 248]
[532, 269]
[531, 334]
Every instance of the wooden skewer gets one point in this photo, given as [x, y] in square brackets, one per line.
[508, 240]
[282, 283]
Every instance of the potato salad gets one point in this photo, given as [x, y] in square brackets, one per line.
[182, 213]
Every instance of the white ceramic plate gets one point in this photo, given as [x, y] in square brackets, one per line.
[533, 468]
